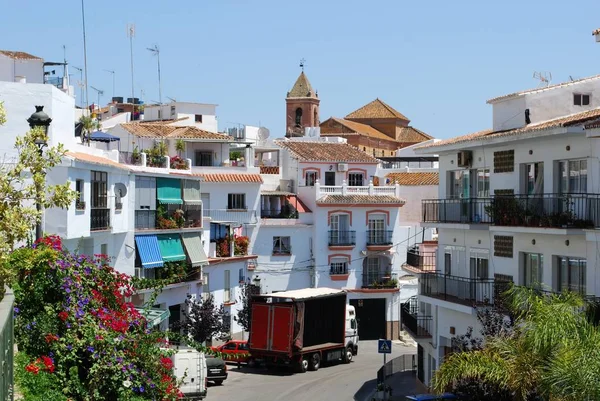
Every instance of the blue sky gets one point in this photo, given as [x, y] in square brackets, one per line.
[437, 62]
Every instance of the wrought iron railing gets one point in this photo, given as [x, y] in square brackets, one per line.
[423, 261]
[342, 238]
[540, 210]
[461, 290]
[99, 219]
[418, 325]
[379, 237]
[402, 363]
[379, 280]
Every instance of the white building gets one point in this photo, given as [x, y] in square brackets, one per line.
[516, 203]
[199, 115]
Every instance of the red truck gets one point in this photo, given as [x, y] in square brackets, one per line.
[301, 328]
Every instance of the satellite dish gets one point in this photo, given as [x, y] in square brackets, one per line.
[120, 189]
[263, 133]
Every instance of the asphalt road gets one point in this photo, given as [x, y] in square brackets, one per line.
[338, 382]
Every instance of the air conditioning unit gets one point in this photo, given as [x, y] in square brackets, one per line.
[342, 167]
[286, 185]
[464, 158]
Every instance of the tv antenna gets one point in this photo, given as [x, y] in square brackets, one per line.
[171, 99]
[100, 92]
[131, 35]
[80, 83]
[113, 80]
[156, 51]
[545, 78]
[302, 61]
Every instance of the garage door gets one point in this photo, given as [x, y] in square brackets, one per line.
[370, 314]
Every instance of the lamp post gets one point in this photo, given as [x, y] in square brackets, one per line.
[39, 119]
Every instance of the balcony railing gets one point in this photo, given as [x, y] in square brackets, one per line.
[543, 210]
[422, 261]
[231, 215]
[342, 238]
[418, 325]
[345, 189]
[147, 219]
[379, 280]
[379, 237]
[461, 290]
[284, 213]
[133, 159]
[99, 219]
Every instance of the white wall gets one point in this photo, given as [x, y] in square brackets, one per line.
[411, 212]
[11, 70]
[185, 109]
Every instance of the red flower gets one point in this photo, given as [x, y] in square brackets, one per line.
[51, 337]
[166, 363]
[48, 364]
[63, 316]
[32, 368]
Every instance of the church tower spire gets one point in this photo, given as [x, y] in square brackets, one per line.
[302, 106]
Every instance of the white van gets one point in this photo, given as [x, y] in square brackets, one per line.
[351, 331]
[190, 365]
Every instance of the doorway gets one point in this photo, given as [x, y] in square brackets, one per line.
[370, 315]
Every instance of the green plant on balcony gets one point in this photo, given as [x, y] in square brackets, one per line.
[177, 163]
[166, 221]
[136, 155]
[388, 283]
[288, 212]
[155, 155]
[170, 273]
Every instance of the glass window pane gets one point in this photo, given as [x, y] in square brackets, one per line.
[583, 176]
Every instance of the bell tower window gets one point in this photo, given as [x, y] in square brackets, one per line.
[298, 117]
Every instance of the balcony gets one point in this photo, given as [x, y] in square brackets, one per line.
[379, 237]
[544, 210]
[99, 219]
[379, 281]
[345, 189]
[461, 290]
[174, 220]
[419, 326]
[419, 261]
[342, 238]
[241, 216]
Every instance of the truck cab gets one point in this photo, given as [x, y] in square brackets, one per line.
[351, 331]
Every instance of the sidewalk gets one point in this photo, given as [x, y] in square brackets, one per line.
[402, 384]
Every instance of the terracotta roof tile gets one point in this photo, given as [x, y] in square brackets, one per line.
[596, 32]
[325, 151]
[376, 109]
[411, 134]
[248, 178]
[302, 88]
[354, 127]
[517, 94]
[158, 130]
[568, 121]
[87, 158]
[417, 178]
[593, 124]
[19, 55]
[360, 199]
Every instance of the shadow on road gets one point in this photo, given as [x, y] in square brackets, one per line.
[365, 390]
[261, 370]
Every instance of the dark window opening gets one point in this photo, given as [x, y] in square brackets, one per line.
[298, 117]
[198, 118]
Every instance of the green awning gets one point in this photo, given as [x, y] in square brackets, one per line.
[171, 248]
[191, 192]
[194, 248]
[154, 316]
[168, 190]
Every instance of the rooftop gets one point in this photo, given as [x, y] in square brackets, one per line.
[248, 178]
[360, 199]
[325, 151]
[543, 89]
[19, 55]
[417, 178]
[568, 121]
[376, 109]
[162, 129]
[88, 158]
[302, 88]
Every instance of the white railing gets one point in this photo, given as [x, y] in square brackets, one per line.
[345, 189]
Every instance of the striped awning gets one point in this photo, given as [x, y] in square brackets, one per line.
[191, 192]
[194, 248]
[168, 191]
[170, 247]
[154, 316]
[149, 251]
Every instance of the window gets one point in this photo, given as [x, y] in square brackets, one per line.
[572, 176]
[159, 114]
[298, 117]
[571, 274]
[104, 249]
[236, 201]
[479, 267]
[204, 158]
[79, 189]
[99, 189]
[172, 111]
[459, 184]
[243, 346]
[205, 286]
[338, 266]
[281, 246]
[330, 178]
[217, 231]
[533, 174]
[230, 346]
[355, 179]
[448, 263]
[580, 99]
[241, 276]
[227, 286]
[198, 118]
[483, 183]
[533, 267]
[373, 264]
[364, 148]
[311, 178]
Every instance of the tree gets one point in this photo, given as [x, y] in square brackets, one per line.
[552, 352]
[243, 315]
[88, 125]
[180, 146]
[22, 184]
[203, 320]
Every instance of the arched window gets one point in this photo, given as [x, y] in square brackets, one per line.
[316, 119]
[298, 117]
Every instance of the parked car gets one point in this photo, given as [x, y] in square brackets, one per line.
[216, 369]
[235, 351]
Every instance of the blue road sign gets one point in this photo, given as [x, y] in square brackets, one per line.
[384, 346]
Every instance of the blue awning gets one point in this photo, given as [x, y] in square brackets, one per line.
[104, 137]
[149, 251]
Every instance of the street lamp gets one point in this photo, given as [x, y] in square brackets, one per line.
[39, 119]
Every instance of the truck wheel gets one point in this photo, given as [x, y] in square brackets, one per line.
[303, 365]
[315, 361]
[347, 358]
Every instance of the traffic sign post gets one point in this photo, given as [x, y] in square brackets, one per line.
[384, 347]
